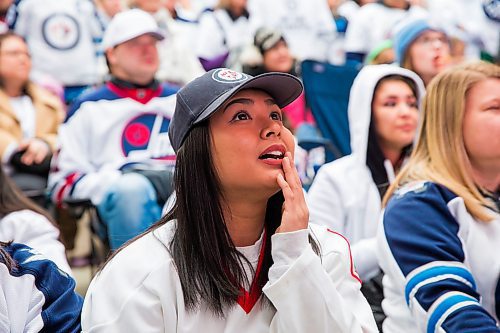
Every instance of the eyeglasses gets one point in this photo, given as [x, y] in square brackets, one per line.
[429, 41]
[16, 53]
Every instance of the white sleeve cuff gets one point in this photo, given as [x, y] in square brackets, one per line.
[287, 247]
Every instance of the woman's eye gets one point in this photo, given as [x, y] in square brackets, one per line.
[413, 105]
[241, 116]
[390, 104]
[276, 116]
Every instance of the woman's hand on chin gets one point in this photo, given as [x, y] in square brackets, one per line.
[295, 212]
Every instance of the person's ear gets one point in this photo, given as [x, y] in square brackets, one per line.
[110, 56]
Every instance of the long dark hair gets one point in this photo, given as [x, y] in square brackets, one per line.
[13, 200]
[208, 264]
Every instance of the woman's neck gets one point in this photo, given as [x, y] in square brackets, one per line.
[426, 78]
[488, 178]
[392, 154]
[244, 220]
[13, 89]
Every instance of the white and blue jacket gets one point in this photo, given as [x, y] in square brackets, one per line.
[35, 295]
[441, 265]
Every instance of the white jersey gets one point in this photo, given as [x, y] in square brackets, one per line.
[35, 295]
[60, 37]
[219, 33]
[178, 62]
[33, 229]
[467, 20]
[108, 129]
[308, 26]
[373, 23]
[441, 266]
[139, 290]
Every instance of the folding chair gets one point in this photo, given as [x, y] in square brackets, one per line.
[327, 89]
[99, 244]
[316, 148]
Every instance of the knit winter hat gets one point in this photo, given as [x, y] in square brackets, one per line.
[266, 38]
[408, 33]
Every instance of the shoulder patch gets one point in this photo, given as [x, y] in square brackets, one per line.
[415, 187]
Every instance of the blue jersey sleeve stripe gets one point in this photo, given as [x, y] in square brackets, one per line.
[448, 305]
[434, 230]
[76, 182]
[440, 272]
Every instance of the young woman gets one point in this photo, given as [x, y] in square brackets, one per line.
[236, 252]
[423, 48]
[440, 237]
[22, 221]
[346, 194]
[36, 295]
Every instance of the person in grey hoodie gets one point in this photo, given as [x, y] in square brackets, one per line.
[346, 194]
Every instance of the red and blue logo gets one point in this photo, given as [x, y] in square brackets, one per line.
[146, 137]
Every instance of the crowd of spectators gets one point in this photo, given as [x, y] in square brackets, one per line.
[88, 91]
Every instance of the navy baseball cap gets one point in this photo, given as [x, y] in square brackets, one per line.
[203, 96]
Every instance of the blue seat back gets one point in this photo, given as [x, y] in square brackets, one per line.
[327, 90]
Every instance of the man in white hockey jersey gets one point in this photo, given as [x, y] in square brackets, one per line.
[114, 146]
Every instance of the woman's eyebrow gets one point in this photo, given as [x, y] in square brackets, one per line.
[246, 101]
[270, 102]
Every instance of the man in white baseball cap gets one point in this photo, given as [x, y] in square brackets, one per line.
[129, 44]
[115, 149]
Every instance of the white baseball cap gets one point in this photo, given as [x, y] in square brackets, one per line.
[130, 24]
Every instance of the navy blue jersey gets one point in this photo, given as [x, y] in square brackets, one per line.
[442, 266]
[36, 296]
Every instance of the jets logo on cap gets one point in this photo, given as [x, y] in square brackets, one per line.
[225, 75]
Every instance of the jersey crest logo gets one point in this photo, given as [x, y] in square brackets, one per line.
[146, 137]
[61, 31]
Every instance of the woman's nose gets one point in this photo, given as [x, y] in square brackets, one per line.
[404, 109]
[271, 128]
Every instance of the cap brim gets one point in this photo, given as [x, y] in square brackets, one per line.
[158, 34]
[283, 88]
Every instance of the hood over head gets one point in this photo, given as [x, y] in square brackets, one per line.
[360, 102]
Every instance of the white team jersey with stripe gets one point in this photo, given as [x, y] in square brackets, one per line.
[139, 290]
[35, 295]
[106, 132]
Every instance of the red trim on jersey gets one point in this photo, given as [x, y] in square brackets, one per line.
[247, 300]
[353, 272]
[68, 182]
[142, 96]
